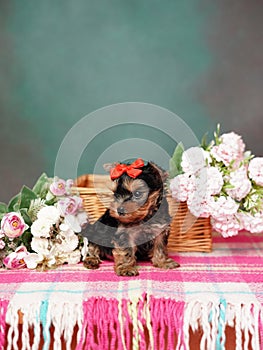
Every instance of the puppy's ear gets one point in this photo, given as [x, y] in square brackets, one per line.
[111, 185]
[163, 173]
[108, 166]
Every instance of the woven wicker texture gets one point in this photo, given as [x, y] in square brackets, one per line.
[188, 233]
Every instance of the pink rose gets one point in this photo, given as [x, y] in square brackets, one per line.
[13, 225]
[70, 205]
[230, 149]
[255, 170]
[15, 260]
[58, 187]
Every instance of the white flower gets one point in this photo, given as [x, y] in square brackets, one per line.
[50, 214]
[76, 222]
[68, 243]
[32, 260]
[41, 228]
[194, 159]
[240, 182]
[65, 230]
[255, 170]
[40, 245]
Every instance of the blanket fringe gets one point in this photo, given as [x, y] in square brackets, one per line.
[3, 310]
[63, 317]
[139, 323]
[212, 318]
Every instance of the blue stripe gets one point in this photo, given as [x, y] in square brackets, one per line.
[48, 292]
[43, 320]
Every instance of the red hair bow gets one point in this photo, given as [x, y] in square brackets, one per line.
[131, 169]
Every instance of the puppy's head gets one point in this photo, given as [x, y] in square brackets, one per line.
[137, 190]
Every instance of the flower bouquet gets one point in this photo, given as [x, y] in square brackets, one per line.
[222, 181]
[40, 227]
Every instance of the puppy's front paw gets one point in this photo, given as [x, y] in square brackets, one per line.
[126, 271]
[166, 264]
[91, 262]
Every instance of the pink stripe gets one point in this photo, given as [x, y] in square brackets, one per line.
[246, 273]
[3, 310]
[240, 238]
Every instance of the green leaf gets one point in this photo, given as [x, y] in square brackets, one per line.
[14, 203]
[204, 144]
[26, 217]
[3, 208]
[26, 239]
[40, 188]
[27, 195]
[175, 161]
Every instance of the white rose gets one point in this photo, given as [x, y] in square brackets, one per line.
[50, 214]
[41, 228]
[40, 245]
[68, 243]
[76, 222]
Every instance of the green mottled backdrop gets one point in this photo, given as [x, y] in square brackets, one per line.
[61, 60]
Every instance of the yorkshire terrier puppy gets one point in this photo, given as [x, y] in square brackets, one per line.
[137, 223]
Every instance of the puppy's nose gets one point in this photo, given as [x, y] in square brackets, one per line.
[121, 211]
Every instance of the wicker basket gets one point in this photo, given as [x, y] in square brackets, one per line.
[188, 233]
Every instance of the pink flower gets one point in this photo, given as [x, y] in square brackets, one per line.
[199, 205]
[58, 187]
[181, 186]
[194, 159]
[242, 186]
[209, 180]
[15, 260]
[255, 170]
[13, 225]
[223, 206]
[230, 149]
[227, 225]
[70, 205]
[251, 223]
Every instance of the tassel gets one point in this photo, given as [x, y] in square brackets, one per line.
[3, 310]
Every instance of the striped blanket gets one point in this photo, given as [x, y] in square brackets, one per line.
[155, 310]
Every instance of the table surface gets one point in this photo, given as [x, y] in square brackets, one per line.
[209, 291]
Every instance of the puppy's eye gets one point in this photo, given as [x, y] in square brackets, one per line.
[137, 194]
